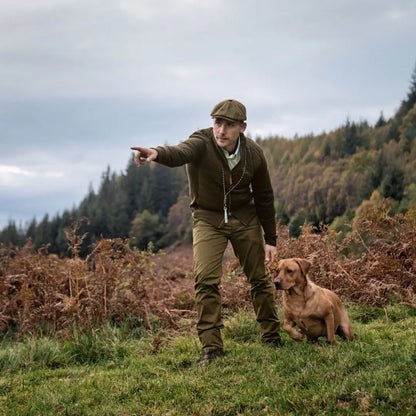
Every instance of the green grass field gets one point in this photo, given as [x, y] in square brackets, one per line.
[128, 371]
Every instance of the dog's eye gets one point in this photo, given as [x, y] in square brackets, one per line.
[277, 271]
[289, 271]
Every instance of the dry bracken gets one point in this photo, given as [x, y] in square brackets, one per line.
[374, 265]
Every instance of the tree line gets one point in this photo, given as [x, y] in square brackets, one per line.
[135, 204]
[324, 179]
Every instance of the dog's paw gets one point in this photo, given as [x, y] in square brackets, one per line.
[297, 335]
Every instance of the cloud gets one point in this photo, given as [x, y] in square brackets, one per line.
[11, 176]
[86, 79]
[15, 176]
[152, 9]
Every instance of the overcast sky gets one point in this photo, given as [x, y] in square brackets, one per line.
[83, 80]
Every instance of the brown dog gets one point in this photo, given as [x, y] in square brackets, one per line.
[317, 311]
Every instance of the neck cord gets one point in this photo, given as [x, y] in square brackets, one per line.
[226, 193]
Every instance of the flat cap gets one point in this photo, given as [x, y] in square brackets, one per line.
[231, 110]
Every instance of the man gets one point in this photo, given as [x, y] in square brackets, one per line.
[231, 200]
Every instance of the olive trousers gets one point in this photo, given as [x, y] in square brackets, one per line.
[209, 244]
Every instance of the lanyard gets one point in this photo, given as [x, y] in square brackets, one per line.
[226, 193]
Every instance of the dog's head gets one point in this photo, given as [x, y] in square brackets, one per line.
[290, 272]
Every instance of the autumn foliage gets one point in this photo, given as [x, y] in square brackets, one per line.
[375, 264]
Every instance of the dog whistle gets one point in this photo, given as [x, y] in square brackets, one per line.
[225, 215]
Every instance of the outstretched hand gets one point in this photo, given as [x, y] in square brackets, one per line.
[144, 155]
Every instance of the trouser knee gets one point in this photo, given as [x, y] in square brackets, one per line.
[208, 305]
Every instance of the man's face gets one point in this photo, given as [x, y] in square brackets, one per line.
[226, 133]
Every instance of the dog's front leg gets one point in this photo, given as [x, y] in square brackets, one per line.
[330, 327]
[288, 326]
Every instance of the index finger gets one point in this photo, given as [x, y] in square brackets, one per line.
[136, 148]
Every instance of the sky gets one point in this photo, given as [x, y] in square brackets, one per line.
[83, 80]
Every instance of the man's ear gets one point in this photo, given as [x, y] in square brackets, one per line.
[304, 265]
[243, 127]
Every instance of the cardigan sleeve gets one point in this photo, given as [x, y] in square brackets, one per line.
[182, 153]
[264, 201]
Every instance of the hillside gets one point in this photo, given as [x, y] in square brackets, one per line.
[324, 179]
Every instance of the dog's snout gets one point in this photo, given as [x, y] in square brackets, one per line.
[278, 284]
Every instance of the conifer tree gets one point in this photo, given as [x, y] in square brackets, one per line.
[43, 232]
[407, 104]
[381, 121]
[411, 96]
[10, 235]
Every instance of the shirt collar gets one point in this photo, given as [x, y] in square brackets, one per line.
[235, 153]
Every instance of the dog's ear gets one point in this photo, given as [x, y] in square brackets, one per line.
[304, 265]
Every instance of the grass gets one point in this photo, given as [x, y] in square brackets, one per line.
[117, 371]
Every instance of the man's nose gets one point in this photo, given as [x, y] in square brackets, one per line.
[222, 128]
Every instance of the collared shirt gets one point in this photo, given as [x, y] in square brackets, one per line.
[233, 158]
